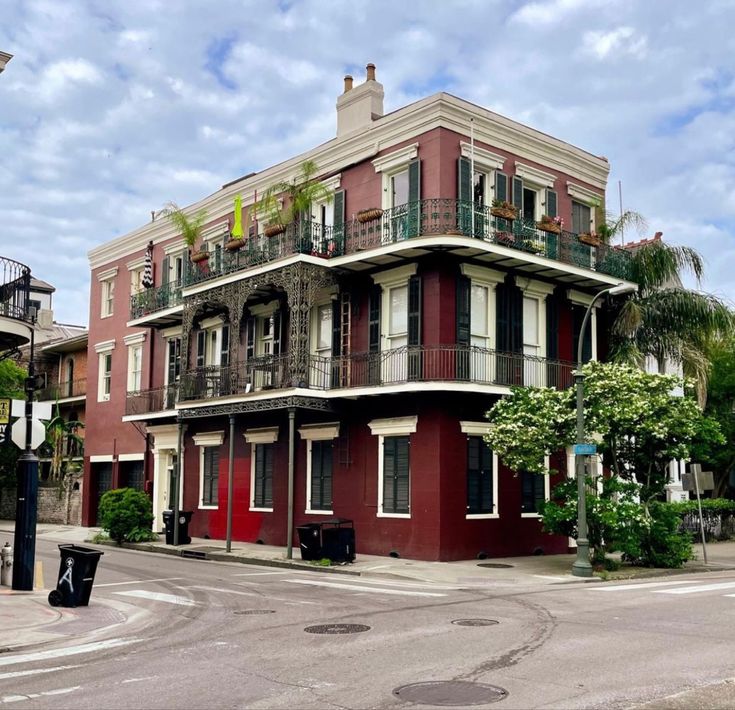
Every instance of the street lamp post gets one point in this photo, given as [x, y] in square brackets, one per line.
[582, 566]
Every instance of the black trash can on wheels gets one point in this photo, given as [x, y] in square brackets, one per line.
[338, 540]
[310, 541]
[184, 520]
[76, 576]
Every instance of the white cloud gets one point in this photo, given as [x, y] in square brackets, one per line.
[62, 75]
[549, 12]
[622, 40]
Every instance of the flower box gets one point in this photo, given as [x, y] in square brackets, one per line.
[234, 244]
[271, 230]
[369, 214]
[199, 256]
[552, 227]
[504, 212]
[591, 239]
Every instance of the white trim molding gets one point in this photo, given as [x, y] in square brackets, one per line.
[209, 438]
[534, 175]
[480, 429]
[107, 274]
[396, 158]
[137, 263]
[205, 440]
[104, 347]
[483, 158]
[261, 435]
[583, 194]
[175, 247]
[319, 432]
[580, 298]
[392, 277]
[175, 331]
[475, 428]
[482, 273]
[101, 458]
[394, 426]
[333, 183]
[131, 457]
[134, 338]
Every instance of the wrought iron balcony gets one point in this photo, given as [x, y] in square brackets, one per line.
[151, 300]
[63, 390]
[435, 216]
[159, 399]
[15, 283]
[398, 366]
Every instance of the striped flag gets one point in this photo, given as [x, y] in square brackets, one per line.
[147, 281]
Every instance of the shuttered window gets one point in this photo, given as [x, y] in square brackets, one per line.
[322, 459]
[551, 203]
[263, 494]
[210, 474]
[501, 186]
[396, 480]
[581, 218]
[533, 491]
[480, 493]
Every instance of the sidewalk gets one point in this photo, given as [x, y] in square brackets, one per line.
[27, 619]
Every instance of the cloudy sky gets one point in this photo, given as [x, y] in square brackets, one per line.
[109, 109]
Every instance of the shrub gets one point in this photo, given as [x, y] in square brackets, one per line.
[126, 514]
[659, 543]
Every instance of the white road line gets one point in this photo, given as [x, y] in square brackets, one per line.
[373, 590]
[223, 591]
[158, 597]
[31, 696]
[644, 585]
[36, 671]
[139, 680]
[420, 585]
[701, 588]
[68, 651]
[261, 574]
[550, 576]
[138, 581]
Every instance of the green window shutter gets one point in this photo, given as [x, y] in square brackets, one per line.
[463, 310]
[464, 196]
[414, 310]
[263, 495]
[338, 230]
[211, 476]
[322, 456]
[502, 338]
[518, 194]
[551, 203]
[516, 319]
[479, 476]
[501, 186]
[201, 347]
[249, 337]
[165, 268]
[396, 484]
[552, 326]
[224, 354]
[413, 227]
[376, 294]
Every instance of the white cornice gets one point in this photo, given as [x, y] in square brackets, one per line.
[108, 274]
[482, 273]
[319, 432]
[175, 247]
[439, 110]
[395, 426]
[396, 158]
[482, 157]
[105, 346]
[261, 435]
[209, 438]
[137, 263]
[583, 193]
[475, 428]
[134, 338]
[534, 175]
[580, 298]
[534, 288]
[393, 276]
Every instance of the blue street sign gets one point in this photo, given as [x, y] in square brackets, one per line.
[585, 449]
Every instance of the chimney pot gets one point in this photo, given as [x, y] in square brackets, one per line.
[370, 72]
[348, 83]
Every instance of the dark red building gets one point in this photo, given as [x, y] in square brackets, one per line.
[351, 357]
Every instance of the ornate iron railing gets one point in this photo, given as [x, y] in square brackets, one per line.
[151, 300]
[61, 390]
[423, 363]
[15, 286]
[158, 399]
[434, 216]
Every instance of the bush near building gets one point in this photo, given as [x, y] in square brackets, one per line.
[126, 514]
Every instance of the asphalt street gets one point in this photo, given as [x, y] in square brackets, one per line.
[166, 632]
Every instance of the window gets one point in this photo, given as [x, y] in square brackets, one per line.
[136, 280]
[581, 218]
[399, 189]
[394, 471]
[321, 460]
[104, 369]
[173, 360]
[480, 474]
[534, 490]
[132, 475]
[263, 489]
[531, 337]
[262, 459]
[530, 198]
[108, 298]
[209, 445]
[135, 368]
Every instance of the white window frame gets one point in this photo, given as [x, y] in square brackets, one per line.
[387, 280]
[107, 292]
[136, 269]
[480, 429]
[395, 426]
[170, 334]
[261, 313]
[203, 441]
[104, 350]
[484, 162]
[311, 433]
[585, 196]
[547, 488]
[261, 435]
[135, 344]
[391, 165]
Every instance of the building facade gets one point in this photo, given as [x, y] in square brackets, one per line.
[342, 364]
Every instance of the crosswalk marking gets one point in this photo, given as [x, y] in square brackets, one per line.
[137, 581]
[67, 651]
[373, 590]
[644, 585]
[702, 588]
[158, 597]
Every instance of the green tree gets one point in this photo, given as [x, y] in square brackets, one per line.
[665, 320]
[62, 438]
[11, 386]
[190, 227]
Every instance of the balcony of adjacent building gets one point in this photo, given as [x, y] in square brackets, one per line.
[398, 370]
[16, 317]
[64, 392]
[380, 236]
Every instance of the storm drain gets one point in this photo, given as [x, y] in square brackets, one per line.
[336, 629]
[495, 565]
[249, 612]
[450, 693]
[200, 553]
[475, 622]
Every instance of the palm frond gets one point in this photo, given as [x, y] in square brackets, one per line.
[657, 265]
[190, 228]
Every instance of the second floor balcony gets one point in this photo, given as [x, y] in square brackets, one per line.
[395, 368]
[64, 390]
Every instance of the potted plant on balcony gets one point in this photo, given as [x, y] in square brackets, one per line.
[299, 195]
[550, 224]
[504, 209]
[590, 238]
[534, 246]
[369, 215]
[190, 229]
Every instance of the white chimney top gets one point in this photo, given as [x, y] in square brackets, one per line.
[358, 107]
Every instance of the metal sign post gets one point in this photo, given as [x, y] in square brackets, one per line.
[696, 470]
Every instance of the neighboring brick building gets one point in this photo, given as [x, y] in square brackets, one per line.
[355, 354]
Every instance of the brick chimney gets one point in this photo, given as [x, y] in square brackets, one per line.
[358, 107]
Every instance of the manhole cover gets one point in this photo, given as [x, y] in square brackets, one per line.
[495, 565]
[450, 693]
[475, 622]
[336, 629]
[256, 611]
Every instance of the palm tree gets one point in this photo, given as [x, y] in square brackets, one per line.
[666, 321]
[62, 435]
[190, 228]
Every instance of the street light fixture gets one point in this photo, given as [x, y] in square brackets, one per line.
[582, 566]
